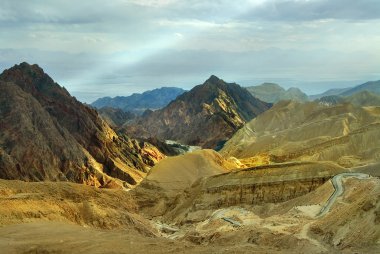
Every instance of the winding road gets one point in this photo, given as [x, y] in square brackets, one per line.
[337, 184]
[233, 222]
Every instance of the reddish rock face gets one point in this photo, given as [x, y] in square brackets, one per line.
[207, 115]
[46, 134]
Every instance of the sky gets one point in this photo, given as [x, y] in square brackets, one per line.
[107, 48]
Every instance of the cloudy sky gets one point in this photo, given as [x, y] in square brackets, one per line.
[106, 48]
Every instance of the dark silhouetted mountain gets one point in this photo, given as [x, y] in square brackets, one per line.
[207, 115]
[138, 103]
[274, 93]
[46, 134]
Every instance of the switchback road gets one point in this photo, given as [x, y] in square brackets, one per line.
[339, 189]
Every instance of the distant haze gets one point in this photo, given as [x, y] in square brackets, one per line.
[108, 48]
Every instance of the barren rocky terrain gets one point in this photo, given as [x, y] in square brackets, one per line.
[46, 134]
[344, 133]
[298, 178]
[206, 116]
[259, 212]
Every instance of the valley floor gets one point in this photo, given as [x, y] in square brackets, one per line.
[71, 218]
[53, 237]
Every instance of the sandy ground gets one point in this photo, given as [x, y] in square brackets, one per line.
[52, 237]
[71, 218]
[177, 173]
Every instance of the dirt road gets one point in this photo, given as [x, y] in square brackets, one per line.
[339, 189]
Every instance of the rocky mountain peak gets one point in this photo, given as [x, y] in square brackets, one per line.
[59, 138]
[32, 79]
[26, 68]
[206, 116]
[213, 89]
[214, 80]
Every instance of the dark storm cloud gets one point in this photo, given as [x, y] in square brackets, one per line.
[315, 10]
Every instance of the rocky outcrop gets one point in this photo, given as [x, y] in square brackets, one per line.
[251, 187]
[48, 135]
[206, 116]
[257, 193]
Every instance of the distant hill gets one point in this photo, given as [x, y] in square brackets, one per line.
[371, 86]
[47, 135]
[207, 115]
[273, 93]
[331, 92]
[290, 131]
[138, 103]
[362, 98]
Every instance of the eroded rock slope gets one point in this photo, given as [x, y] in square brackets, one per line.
[46, 134]
[206, 116]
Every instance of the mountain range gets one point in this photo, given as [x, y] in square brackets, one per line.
[117, 111]
[205, 116]
[371, 86]
[273, 178]
[362, 98]
[293, 177]
[138, 103]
